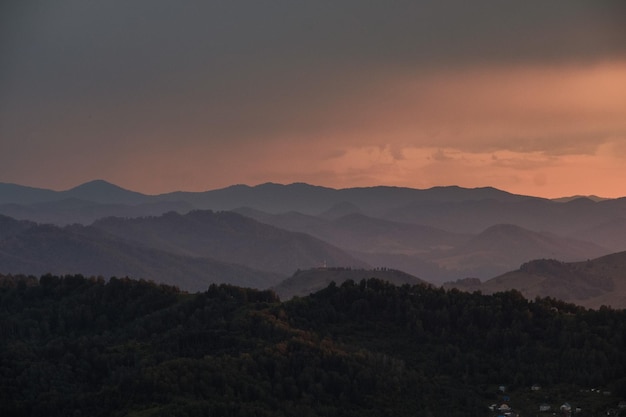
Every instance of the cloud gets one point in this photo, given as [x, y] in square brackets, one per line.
[526, 161]
[441, 156]
[158, 95]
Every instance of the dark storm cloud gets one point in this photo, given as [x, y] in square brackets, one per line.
[234, 51]
[219, 47]
[92, 80]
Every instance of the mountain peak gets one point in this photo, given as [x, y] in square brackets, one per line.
[101, 191]
[580, 198]
[96, 184]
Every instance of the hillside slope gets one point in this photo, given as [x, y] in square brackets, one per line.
[40, 249]
[229, 237]
[593, 283]
[303, 283]
[360, 233]
[502, 247]
[82, 346]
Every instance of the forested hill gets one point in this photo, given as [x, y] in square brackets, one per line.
[73, 346]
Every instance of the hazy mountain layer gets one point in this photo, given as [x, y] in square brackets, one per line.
[75, 211]
[273, 198]
[432, 253]
[39, 249]
[592, 283]
[97, 191]
[229, 237]
[500, 247]
[453, 209]
[573, 218]
[442, 233]
[360, 233]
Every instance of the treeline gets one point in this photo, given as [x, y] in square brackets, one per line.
[485, 339]
[76, 346]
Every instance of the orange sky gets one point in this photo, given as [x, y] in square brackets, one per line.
[157, 97]
[540, 131]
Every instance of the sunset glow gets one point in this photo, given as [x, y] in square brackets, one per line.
[548, 120]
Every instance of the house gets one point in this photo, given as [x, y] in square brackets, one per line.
[504, 407]
[544, 407]
[566, 409]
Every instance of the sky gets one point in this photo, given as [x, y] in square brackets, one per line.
[163, 95]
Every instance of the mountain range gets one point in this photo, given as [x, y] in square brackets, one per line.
[228, 237]
[34, 249]
[591, 283]
[190, 251]
[260, 235]
[455, 209]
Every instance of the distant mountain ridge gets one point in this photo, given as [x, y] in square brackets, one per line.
[430, 252]
[20, 194]
[194, 250]
[29, 248]
[229, 237]
[270, 197]
[361, 233]
[97, 191]
[100, 191]
[439, 234]
[452, 208]
[593, 198]
[191, 250]
[498, 247]
[591, 283]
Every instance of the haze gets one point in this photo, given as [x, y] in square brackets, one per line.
[157, 96]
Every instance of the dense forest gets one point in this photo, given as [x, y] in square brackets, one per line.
[76, 346]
